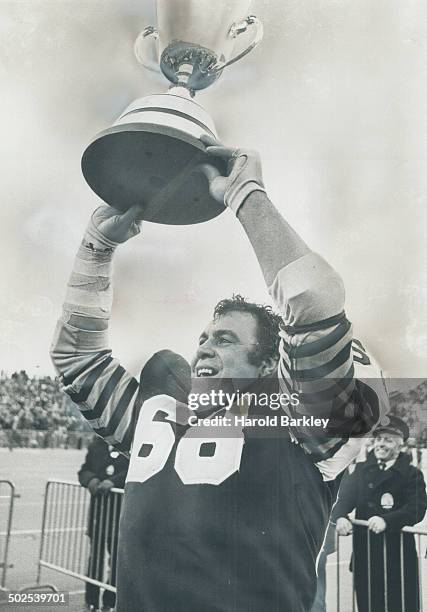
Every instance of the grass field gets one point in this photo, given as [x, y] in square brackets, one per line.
[29, 469]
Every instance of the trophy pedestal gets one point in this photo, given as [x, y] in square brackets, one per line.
[151, 156]
[181, 53]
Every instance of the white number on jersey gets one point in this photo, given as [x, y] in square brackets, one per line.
[203, 454]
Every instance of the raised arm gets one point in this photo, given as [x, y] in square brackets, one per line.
[316, 353]
[93, 379]
[275, 242]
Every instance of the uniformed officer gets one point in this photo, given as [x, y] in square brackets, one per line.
[389, 493]
[103, 469]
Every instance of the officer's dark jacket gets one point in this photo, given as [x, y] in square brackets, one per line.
[97, 460]
[367, 486]
[99, 463]
[397, 495]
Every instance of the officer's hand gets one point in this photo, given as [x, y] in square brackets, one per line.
[244, 174]
[93, 486]
[117, 226]
[377, 524]
[105, 486]
[343, 526]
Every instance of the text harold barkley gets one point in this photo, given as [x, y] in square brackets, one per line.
[276, 420]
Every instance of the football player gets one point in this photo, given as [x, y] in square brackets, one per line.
[212, 521]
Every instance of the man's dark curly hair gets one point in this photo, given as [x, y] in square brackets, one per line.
[268, 323]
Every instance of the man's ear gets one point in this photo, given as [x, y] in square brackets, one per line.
[268, 367]
[400, 444]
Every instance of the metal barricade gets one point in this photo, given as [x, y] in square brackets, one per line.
[79, 533]
[378, 588]
[7, 497]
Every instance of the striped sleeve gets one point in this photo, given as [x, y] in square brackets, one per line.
[103, 390]
[317, 361]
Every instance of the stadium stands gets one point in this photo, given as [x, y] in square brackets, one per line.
[34, 411]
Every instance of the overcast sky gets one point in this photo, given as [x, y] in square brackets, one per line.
[335, 100]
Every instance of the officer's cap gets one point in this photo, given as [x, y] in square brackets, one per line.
[396, 426]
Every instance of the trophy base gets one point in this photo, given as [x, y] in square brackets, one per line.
[153, 165]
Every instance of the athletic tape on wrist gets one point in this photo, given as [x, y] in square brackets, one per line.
[95, 238]
[89, 290]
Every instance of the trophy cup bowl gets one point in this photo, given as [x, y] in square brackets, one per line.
[152, 153]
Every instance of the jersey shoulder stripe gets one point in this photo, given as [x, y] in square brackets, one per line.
[123, 405]
[323, 370]
[320, 342]
[106, 393]
[84, 391]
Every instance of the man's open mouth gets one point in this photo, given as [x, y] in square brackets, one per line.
[206, 371]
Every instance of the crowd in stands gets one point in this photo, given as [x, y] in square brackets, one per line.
[37, 405]
[411, 406]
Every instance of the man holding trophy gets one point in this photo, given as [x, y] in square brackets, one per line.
[240, 529]
[213, 519]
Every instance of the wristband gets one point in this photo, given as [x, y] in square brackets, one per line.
[235, 199]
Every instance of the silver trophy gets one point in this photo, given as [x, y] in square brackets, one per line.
[152, 152]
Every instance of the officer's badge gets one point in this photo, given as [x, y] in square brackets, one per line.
[387, 501]
[110, 470]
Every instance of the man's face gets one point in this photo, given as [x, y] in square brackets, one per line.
[225, 347]
[387, 446]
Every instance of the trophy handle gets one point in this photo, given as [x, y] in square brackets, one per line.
[239, 28]
[148, 35]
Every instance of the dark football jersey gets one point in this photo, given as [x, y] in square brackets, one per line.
[230, 524]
